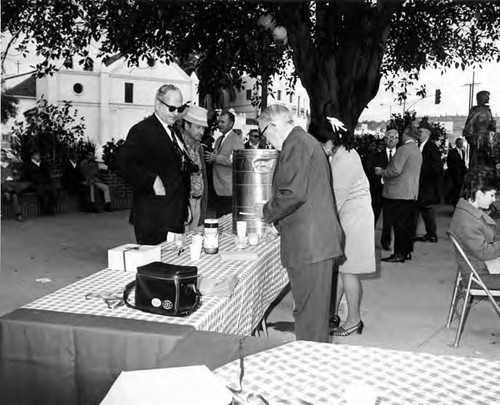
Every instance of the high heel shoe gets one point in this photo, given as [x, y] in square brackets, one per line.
[334, 322]
[341, 331]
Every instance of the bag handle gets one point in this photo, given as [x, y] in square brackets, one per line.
[126, 293]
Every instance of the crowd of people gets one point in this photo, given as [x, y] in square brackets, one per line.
[325, 200]
[80, 177]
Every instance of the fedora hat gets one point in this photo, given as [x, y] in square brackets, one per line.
[197, 115]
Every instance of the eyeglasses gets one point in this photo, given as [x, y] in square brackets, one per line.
[392, 137]
[172, 108]
[265, 129]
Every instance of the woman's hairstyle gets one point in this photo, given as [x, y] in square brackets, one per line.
[478, 179]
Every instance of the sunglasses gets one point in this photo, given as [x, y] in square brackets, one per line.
[172, 108]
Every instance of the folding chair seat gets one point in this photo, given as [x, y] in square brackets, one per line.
[468, 286]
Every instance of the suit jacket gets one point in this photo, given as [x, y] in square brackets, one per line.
[456, 165]
[373, 160]
[223, 165]
[431, 174]
[302, 205]
[72, 178]
[402, 175]
[476, 232]
[147, 153]
[37, 175]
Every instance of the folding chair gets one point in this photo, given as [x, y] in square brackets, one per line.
[468, 286]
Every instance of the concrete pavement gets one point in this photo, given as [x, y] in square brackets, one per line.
[404, 306]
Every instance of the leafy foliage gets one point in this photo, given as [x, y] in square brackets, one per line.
[53, 131]
[9, 107]
[110, 152]
[340, 49]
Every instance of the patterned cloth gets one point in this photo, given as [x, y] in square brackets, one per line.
[259, 283]
[320, 373]
[197, 186]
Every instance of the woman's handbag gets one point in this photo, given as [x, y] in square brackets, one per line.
[164, 289]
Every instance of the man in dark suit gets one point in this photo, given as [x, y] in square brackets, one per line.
[72, 180]
[222, 163]
[37, 173]
[302, 208]
[255, 141]
[401, 179]
[430, 179]
[456, 170]
[152, 160]
[381, 159]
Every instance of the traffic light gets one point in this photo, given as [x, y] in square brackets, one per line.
[437, 97]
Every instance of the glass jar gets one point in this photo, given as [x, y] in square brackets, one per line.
[211, 236]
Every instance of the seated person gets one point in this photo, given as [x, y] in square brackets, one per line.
[90, 171]
[72, 179]
[37, 173]
[255, 141]
[473, 228]
[11, 186]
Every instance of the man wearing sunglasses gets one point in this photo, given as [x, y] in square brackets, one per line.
[151, 160]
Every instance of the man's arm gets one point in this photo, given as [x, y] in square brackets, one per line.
[292, 184]
[131, 160]
[396, 165]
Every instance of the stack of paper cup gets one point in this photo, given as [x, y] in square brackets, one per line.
[195, 248]
[241, 229]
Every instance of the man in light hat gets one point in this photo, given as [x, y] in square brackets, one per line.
[193, 128]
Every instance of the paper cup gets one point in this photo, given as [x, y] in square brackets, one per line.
[253, 239]
[195, 252]
[241, 229]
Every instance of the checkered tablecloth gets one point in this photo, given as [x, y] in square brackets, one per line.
[259, 283]
[320, 373]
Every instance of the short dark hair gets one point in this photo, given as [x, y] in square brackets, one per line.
[480, 178]
[228, 114]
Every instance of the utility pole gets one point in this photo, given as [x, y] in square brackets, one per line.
[471, 90]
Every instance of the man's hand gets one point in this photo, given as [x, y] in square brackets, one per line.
[210, 156]
[158, 187]
[259, 209]
[379, 171]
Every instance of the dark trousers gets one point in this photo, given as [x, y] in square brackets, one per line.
[376, 203]
[385, 237]
[311, 291]
[223, 205]
[429, 217]
[402, 217]
[47, 196]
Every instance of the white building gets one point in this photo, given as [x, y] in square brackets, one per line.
[113, 96]
[110, 97]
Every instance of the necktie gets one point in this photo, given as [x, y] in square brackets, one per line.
[220, 143]
[390, 155]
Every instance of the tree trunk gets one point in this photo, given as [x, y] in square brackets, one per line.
[264, 93]
[339, 59]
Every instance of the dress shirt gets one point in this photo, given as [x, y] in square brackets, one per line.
[390, 153]
[173, 137]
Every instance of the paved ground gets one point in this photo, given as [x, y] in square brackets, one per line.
[404, 305]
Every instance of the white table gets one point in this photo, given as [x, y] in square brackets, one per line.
[259, 283]
[318, 373]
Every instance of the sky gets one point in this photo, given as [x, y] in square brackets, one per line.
[454, 93]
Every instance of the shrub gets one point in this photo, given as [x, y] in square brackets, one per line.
[52, 130]
[110, 151]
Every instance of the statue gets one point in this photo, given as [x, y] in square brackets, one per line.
[479, 130]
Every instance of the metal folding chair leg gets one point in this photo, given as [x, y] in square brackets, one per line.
[454, 299]
[463, 316]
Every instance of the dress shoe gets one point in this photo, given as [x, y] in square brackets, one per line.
[395, 258]
[341, 331]
[425, 238]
